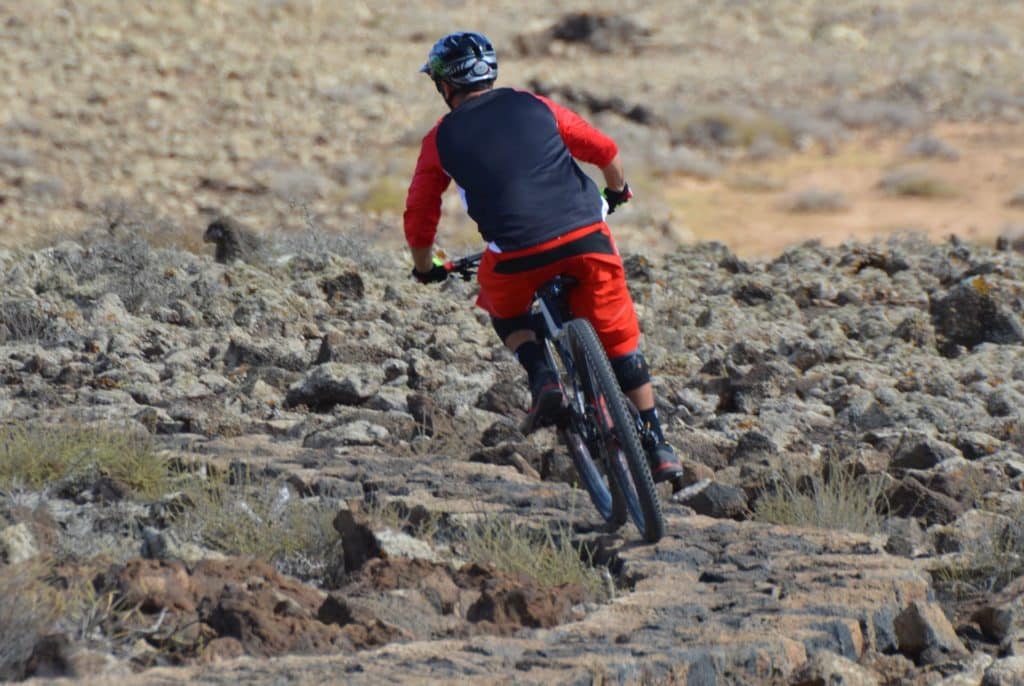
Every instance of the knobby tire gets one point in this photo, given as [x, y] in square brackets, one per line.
[579, 439]
[625, 458]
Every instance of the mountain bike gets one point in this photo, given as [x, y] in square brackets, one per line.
[598, 424]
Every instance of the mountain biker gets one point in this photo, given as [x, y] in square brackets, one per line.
[511, 154]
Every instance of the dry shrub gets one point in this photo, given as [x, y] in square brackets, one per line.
[875, 114]
[680, 159]
[1017, 200]
[915, 183]
[930, 147]
[266, 520]
[755, 183]
[833, 499]
[23, 320]
[725, 126]
[143, 277]
[35, 455]
[28, 610]
[989, 563]
[1011, 237]
[545, 555]
[816, 201]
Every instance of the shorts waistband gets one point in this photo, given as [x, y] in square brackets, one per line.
[590, 239]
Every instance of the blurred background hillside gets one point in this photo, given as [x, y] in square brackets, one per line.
[757, 123]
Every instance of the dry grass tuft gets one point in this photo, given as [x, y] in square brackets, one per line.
[546, 555]
[34, 456]
[28, 610]
[416, 521]
[266, 520]
[989, 563]
[833, 499]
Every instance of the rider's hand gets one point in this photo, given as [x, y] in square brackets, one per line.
[436, 274]
[616, 198]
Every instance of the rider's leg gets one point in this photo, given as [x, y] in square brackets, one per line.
[634, 378]
[546, 394]
[642, 397]
[518, 335]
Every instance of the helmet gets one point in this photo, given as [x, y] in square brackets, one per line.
[462, 59]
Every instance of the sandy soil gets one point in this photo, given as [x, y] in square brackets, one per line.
[988, 173]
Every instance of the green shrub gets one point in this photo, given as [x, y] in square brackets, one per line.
[36, 455]
[545, 555]
[833, 499]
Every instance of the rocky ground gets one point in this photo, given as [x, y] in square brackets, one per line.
[361, 424]
[300, 466]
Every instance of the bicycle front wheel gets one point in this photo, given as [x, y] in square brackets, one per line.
[608, 411]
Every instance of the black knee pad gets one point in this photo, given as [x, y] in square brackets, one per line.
[506, 327]
[631, 371]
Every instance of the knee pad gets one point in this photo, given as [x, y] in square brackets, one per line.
[504, 327]
[631, 371]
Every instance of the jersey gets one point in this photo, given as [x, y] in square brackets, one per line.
[513, 155]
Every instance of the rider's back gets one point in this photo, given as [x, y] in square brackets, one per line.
[521, 184]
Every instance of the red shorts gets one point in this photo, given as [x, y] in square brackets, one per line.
[508, 281]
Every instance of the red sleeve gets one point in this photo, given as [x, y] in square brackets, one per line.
[585, 141]
[423, 202]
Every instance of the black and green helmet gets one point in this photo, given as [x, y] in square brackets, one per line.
[462, 59]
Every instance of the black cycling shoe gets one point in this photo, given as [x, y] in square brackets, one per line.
[664, 463]
[547, 401]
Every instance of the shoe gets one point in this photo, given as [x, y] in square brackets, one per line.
[547, 401]
[664, 463]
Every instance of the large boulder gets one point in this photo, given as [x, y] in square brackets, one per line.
[970, 314]
[925, 635]
[335, 383]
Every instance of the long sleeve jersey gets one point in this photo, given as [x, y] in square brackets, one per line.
[511, 153]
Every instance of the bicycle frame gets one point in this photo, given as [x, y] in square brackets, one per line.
[550, 302]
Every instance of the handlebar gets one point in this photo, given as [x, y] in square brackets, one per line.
[464, 267]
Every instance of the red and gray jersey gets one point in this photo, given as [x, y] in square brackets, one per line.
[511, 153]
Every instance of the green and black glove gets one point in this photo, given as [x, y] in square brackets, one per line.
[437, 274]
[616, 198]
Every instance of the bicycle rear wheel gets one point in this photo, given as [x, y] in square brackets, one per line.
[609, 412]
